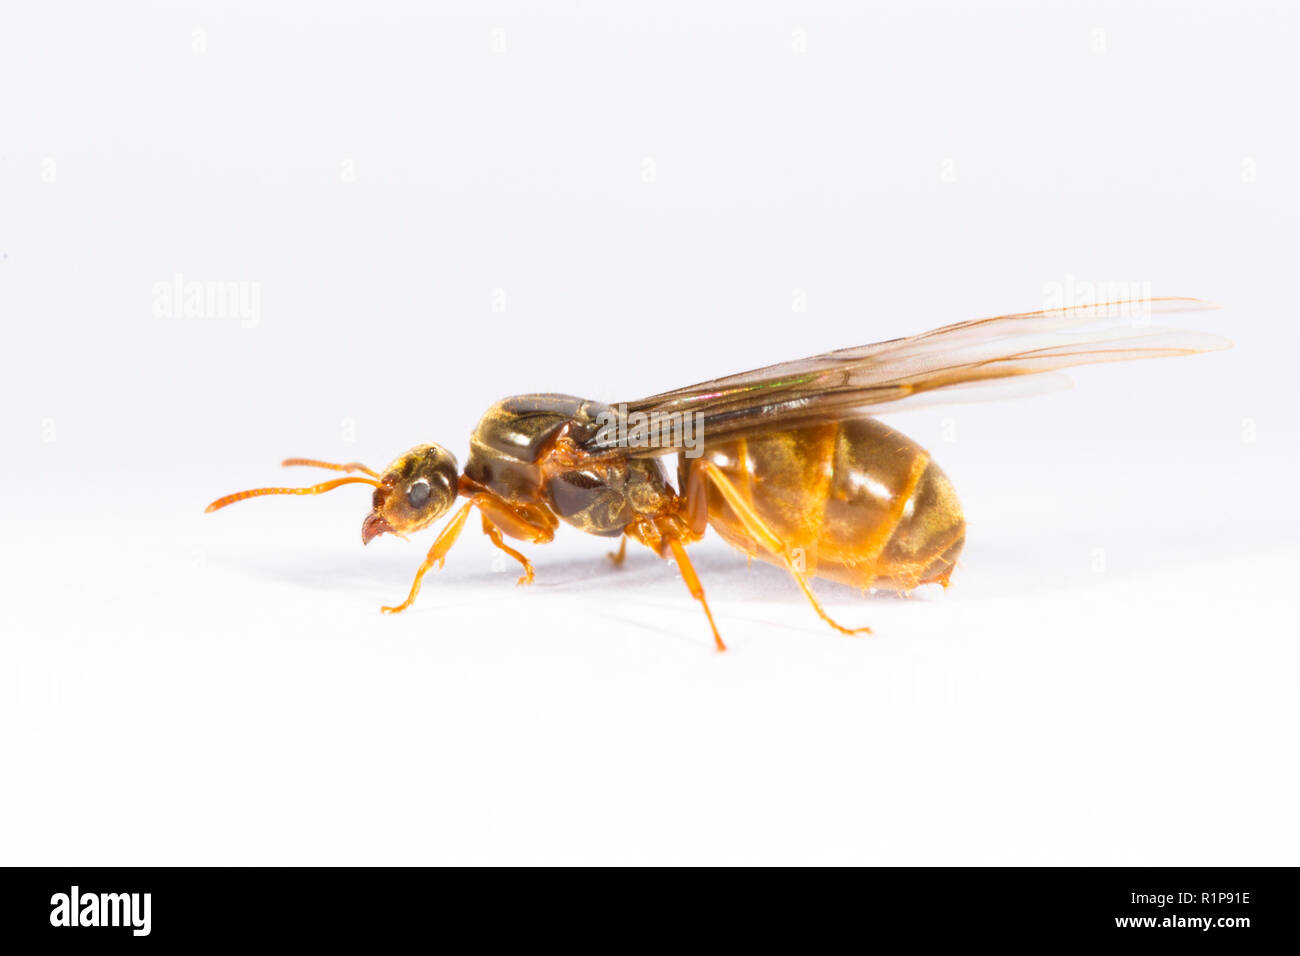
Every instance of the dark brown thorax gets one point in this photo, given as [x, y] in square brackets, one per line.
[525, 450]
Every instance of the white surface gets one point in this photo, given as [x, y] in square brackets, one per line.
[1112, 676]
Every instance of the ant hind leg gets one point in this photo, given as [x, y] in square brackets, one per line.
[769, 540]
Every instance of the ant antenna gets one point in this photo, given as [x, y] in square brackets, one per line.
[312, 490]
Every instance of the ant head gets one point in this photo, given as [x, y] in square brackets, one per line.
[413, 492]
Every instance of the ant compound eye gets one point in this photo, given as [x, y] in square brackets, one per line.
[418, 493]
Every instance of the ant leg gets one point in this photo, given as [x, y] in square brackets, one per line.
[313, 463]
[812, 599]
[437, 555]
[768, 540]
[617, 556]
[519, 523]
[693, 583]
[493, 532]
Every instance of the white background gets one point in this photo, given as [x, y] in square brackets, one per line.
[442, 208]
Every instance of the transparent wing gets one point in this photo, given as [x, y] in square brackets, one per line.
[961, 362]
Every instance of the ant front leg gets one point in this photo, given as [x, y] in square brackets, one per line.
[498, 516]
[437, 555]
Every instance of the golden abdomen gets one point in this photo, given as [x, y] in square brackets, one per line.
[861, 503]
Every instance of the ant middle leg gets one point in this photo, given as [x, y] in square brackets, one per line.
[493, 532]
[693, 583]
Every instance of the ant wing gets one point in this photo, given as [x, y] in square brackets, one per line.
[954, 363]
